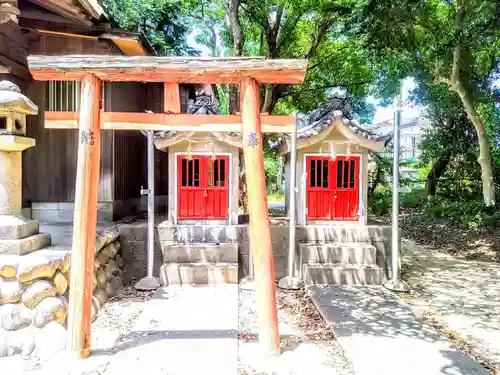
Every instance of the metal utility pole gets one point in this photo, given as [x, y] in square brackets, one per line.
[150, 282]
[395, 284]
[292, 282]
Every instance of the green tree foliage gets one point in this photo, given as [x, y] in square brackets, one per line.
[454, 44]
[164, 22]
[309, 29]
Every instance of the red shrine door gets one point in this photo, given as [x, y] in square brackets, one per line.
[332, 190]
[203, 187]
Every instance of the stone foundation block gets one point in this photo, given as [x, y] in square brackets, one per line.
[10, 291]
[198, 273]
[51, 309]
[25, 245]
[335, 274]
[200, 253]
[15, 316]
[343, 253]
[38, 291]
[14, 228]
[8, 266]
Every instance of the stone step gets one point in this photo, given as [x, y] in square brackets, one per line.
[341, 253]
[199, 273]
[345, 233]
[217, 233]
[336, 274]
[200, 253]
[15, 228]
[25, 245]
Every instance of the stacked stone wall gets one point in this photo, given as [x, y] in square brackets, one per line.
[34, 292]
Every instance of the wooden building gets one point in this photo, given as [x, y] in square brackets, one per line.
[63, 27]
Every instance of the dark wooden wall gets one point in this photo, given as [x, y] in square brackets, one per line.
[44, 44]
[49, 168]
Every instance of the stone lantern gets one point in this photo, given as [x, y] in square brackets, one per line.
[14, 107]
[17, 234]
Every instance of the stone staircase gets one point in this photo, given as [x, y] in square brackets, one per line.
[20, 236]
[346, 256]
[199, 263]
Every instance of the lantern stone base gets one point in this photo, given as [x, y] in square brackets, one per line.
[11, 171]
[15, 227]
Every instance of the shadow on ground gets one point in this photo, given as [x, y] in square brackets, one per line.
[380, 334]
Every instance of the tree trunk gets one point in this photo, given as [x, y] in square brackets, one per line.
[484, 159]
[435, 173]
[272, 94]
[238, 42]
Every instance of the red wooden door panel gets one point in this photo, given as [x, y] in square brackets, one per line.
[202, 186]
[216, 187]
[346, 188]
[319, 189]
[332, 190]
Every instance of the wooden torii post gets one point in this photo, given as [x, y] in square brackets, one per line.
[90, 121]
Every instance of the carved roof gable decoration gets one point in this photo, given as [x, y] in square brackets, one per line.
[204, 104]
[335, 111]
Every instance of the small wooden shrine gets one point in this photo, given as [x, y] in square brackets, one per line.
[332, 164]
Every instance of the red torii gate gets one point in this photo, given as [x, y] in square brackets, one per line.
[90, 71]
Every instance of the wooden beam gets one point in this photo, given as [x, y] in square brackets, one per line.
[93, 8]
[260, 232]
[64, 9]
[15, 68]
[161, 121]
[168, 69]
[171, 98]
[130, 47]
[85, 218]
[70, 35]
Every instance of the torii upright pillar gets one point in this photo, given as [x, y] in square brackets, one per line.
[85, 218]
[260, 231]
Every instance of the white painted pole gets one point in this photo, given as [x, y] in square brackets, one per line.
[290, 281]
[151, 202]
[293, 197]
[150, 282]
[395, 283]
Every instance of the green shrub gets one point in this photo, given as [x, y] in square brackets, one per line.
[467, 214]
[380, 202]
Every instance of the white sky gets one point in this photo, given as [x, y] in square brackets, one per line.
[387, 113]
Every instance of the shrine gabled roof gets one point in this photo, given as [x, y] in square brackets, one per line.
[334, 112]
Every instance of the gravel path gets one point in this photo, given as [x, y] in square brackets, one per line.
[307, 343]
[130, 336]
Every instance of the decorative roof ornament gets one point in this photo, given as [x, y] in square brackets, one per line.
[336, 107]
[12, 100]
[204, 104]
[9, 11]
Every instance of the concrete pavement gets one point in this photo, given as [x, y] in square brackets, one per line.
[381, 336]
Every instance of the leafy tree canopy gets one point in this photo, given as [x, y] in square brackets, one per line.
[162, 21]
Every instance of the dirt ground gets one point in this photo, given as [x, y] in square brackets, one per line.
[443, 236]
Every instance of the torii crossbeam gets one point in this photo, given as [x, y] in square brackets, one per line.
[91, 71]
